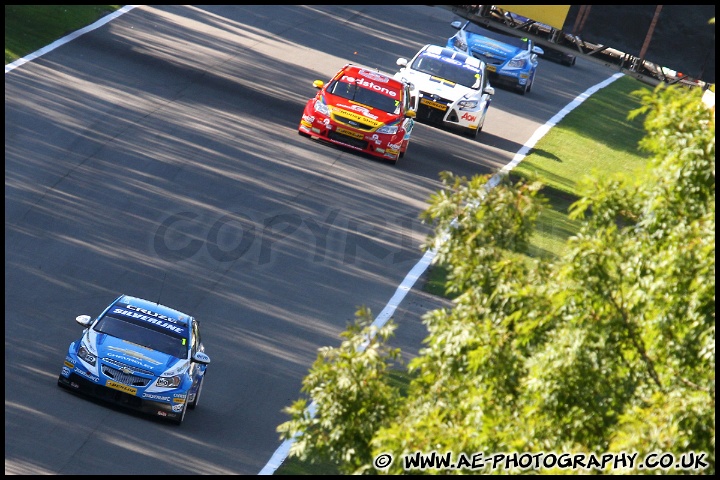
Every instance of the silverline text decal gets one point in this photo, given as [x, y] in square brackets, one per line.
[156, 321]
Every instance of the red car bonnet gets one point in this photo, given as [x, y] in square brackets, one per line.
[369, 79]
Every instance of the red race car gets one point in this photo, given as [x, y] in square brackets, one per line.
[361, 109]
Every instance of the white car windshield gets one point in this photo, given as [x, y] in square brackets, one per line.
[464, 75]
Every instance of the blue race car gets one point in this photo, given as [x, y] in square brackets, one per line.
[511, 61]
[139, 354]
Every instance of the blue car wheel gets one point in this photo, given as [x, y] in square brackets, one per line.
[179, 420]
[523, 89]
[195, 401]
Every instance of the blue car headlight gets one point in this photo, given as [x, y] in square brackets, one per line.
[87, 356]
[387, 129]
[169, 382]
[460, 44]
[321, 108]
[517, 63]
[467, 104]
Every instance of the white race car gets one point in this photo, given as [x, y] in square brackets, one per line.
[448, 88]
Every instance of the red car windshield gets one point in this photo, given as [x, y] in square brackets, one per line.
[366, 96]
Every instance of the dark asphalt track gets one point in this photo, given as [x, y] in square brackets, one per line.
[175, 127]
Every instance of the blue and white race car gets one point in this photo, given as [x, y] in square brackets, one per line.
[139, 354]
[511, 61]
[447, 88]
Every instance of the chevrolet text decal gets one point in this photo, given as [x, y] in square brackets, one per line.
[152, 317]
[134, 354]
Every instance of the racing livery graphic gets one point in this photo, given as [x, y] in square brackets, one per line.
[448, 88]
[142, 355]
[362, 110]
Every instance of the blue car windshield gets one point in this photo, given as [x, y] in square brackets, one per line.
[464, 75]
[521, 43]
[145, 335]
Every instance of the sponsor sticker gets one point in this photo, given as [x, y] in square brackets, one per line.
[357, 117]
[153, 396]
[468, 117]
[432, 104]
[443, 81]
[370, 84]
[128, 352]
[163, 321]
[87, 375]
[121, 387]
[363, 110]
[350, 133]
[378, 77]
[491, 68]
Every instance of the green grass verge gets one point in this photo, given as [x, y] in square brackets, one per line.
[31, 27]
[594, 139]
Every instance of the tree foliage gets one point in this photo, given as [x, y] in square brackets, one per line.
[610, 348]
[352, 397]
